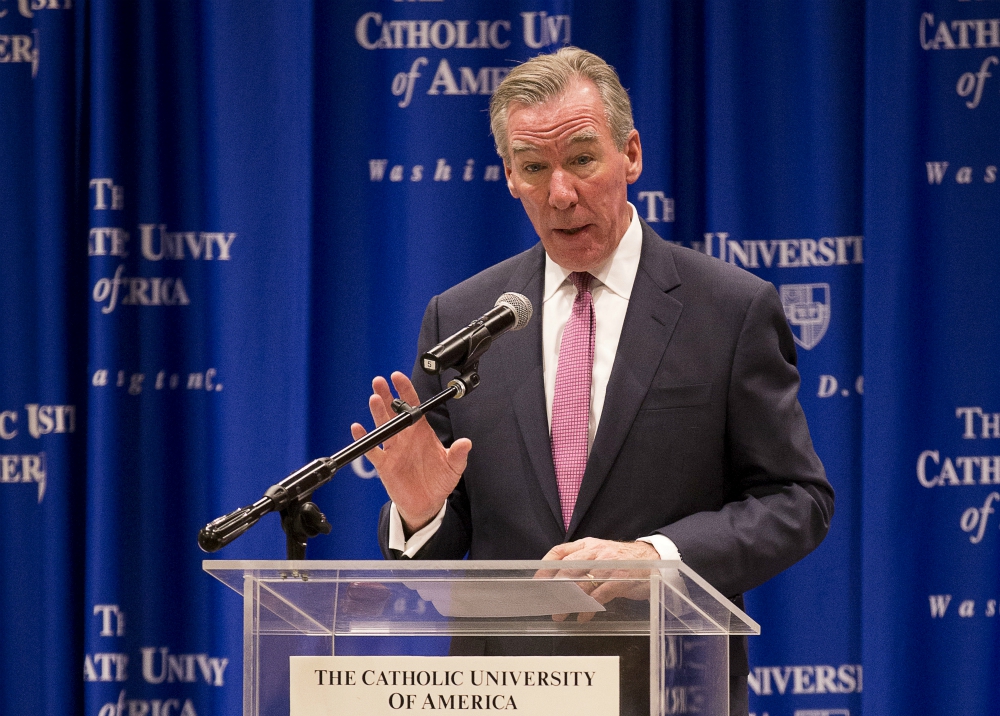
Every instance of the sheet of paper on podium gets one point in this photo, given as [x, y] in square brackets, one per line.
[525, 598]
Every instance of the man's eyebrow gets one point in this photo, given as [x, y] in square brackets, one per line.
[586, 135]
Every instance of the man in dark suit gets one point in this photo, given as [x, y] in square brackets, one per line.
[692, 442]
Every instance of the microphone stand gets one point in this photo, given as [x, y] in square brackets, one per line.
[301, 519]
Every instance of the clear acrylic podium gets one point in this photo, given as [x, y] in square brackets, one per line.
[668, 626]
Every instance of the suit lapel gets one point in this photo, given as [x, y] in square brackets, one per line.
[649, 323]
[528, 388]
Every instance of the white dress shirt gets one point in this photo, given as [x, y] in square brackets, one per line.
[611, 290]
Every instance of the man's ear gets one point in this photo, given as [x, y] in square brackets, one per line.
[633, 157]
[510, 182]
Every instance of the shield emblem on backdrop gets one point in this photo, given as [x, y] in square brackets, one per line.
[807, 308]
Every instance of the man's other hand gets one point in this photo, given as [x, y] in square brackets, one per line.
[593, 548]
[603, 585]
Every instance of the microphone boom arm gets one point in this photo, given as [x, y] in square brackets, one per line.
[291, 495]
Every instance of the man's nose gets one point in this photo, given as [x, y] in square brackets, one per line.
[562, 192]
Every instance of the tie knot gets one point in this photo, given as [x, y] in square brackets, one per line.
[581, 279]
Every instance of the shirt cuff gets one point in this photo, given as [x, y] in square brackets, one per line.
[409, 547]
[664, 545]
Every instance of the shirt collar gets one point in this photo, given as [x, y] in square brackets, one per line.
[618, 272]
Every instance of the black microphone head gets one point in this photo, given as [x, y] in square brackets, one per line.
[209, 540]
[521, 307]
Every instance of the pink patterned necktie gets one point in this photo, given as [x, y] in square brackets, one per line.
[571, 405]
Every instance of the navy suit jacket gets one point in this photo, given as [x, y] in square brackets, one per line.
[702, 438]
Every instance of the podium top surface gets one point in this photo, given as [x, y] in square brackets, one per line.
[481, 597]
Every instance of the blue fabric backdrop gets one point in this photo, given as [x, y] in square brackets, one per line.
[218, 221]
[930, 538]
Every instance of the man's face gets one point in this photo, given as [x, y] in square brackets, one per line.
[570, 177]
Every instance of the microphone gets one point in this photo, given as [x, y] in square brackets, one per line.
[511, 313]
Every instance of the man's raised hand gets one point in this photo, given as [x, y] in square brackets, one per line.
[417, 471]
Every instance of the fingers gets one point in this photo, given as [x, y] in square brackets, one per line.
[603, 593]
[405, 388]
[545, 574]
[458, 455]
[565, 551]
[582, 549]
[380, 403]
[559, 551]
[606, 591]
[375, 454]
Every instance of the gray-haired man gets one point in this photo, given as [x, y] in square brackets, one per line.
[695, 443]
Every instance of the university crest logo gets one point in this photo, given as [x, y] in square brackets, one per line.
[807, 308]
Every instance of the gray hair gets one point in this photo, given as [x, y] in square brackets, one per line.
[543, 77]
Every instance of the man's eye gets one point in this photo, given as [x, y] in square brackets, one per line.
[584, 160]
[532, 168]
